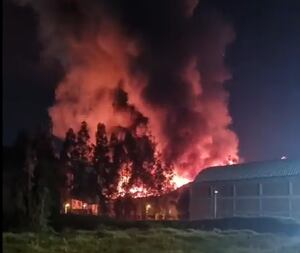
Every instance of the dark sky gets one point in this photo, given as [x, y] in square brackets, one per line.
[264, 61]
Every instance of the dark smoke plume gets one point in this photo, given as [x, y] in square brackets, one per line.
[169, 57]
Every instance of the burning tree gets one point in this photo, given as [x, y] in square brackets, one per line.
[163, 175]
[141, 172]
[127, 166]
[176, 80]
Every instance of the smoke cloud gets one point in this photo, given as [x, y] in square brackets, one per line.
[168, 58]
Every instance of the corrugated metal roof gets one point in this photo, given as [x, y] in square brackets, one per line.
[251, 170]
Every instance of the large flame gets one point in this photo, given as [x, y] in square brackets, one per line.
[172, 76]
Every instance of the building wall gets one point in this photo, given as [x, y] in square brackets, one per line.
[279, 197]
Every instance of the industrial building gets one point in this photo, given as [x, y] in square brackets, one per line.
[270, 189]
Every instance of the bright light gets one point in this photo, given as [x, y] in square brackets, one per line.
[67, 205]
[283, 157]
[216, 192]
[148, 206]
[230, 162]
[179, 181]
[84, 205]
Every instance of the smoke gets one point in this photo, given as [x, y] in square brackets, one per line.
[163, 59]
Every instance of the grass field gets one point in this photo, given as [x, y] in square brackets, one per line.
[150, 240]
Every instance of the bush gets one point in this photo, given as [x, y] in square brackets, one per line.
[135, 240]
[261, 225]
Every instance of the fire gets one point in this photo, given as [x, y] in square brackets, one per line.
[134, 191]
[124, 176]
[138, 192]
[175, 80]
[180, 181]
[141, 191]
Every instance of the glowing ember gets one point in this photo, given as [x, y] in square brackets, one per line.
[134, 191]
[138, 192]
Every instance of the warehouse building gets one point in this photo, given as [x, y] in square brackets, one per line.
[270, 189]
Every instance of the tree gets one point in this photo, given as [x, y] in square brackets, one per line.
[84, 172]
[118, 158]
[103, 167]
[138, 163]
[139, 160]
[19, 163]
[34, 180]
[159, 177]
[149, 167]
[67, 165]
[45, 187]
[83, 147]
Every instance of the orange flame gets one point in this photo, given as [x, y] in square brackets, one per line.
[97, 63]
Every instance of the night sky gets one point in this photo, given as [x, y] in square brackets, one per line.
[264, 61]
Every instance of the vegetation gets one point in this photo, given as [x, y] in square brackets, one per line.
[262, 225]
[32, 187]
[39, 181]
[150, 240]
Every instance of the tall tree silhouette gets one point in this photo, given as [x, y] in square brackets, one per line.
[103, 168]
[67, 166]
[162, 175]
[24, 163]
[46, 176]
[118, 157]
[85, 173]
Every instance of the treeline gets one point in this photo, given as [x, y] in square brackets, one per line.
[112, 166]
[38, 178]
[31, 181]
